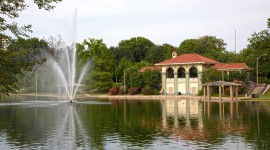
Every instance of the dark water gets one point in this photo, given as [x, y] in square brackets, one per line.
[46, 123]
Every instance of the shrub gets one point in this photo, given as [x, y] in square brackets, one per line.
[114, 90]
[121, 91]
[132, 90]
[147, 90]
[155, 92]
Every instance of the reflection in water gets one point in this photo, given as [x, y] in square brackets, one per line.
[134, 124]
[196, 121]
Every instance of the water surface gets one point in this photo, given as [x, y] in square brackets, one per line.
[47, 123]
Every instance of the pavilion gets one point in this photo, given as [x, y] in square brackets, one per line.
[183, 74]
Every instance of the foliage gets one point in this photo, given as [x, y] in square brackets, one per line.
[155, 54]
[135, 79]
[211, 75]
[258, 48]
[102, 81]
[152, 78]
[114, 90]
[21, 55]
[121, 91]
[13, 61]
[147, 90]
[133, 91]
[208, 46]
[135, 48]
[100, 77]
[155, 92]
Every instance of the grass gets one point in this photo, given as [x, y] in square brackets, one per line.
[265, 97]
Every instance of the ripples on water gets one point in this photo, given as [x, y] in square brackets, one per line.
[40, 123]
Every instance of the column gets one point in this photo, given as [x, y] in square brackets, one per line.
[204, 92]
[176, 112]
[199, 80]
[164, 82]
[208, 93]
[175, 82]
[219, 90]
[236, 93]
[187, 81]
[231, 93]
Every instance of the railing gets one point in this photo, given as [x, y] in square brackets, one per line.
[267, 86]
[251, 87]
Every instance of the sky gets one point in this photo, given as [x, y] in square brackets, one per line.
[161, 21]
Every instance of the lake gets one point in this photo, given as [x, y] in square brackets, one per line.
[47, 123]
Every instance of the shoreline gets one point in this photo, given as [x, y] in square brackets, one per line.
[135, 97]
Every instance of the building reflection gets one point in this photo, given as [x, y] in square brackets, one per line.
[194, 120]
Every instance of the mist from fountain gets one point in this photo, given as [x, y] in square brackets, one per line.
[65, 67]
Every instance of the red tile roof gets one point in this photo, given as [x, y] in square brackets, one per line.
[232, 66]
[158, 68]
[188, 59]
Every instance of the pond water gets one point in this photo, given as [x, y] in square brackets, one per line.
[46, 123]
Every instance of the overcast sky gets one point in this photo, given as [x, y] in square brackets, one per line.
[161, 21]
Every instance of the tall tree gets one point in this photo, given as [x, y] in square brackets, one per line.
[21, 55]
[103, 64]
[137, 46]
[258, 48]
[11, 61]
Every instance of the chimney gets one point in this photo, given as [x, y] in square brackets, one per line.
[174, 54]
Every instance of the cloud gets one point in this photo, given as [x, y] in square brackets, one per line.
[162, 21]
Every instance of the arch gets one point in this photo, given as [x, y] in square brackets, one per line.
[181, 72]
[169, 73]
[193, 72]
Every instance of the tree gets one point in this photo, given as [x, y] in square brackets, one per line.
[137, 46]
[21, 55]
[211, 75]
[189, 46]
[103, 63]
[152, 78]
[268, 23]
[12, 61]
[208, 46]
[258, 47]
[155, 54]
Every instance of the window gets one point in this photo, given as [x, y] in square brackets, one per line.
[181, 73]
[193, 72]
[169, 73]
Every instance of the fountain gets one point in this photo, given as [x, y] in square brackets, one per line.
[65, 67]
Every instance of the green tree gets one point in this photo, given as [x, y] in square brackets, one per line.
[168, 50]
[159, 53]
[258, 47]
[137, 46]
[208, 46]
[103, 64]
[152, 78]
[211, 75]
[12, 61]
[189, 46]
[21, 55]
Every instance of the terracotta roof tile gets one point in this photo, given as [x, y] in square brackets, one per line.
[232, 66]
[188, 58]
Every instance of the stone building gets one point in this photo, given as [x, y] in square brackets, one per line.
[183, 74]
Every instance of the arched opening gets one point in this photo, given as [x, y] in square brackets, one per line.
[181, 73]
[169, 73]
[193, 72]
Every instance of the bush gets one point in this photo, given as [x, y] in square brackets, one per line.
[155, 92]
[132, 90]
[121, 91]
[200, 92]
[114, 90]
[147, 90]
